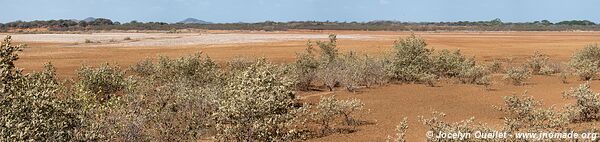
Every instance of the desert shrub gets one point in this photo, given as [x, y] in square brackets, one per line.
[201, 71]
[8, 52]
[410, 60]
[537, 61]
[563, 77]
[127, 38]
[495, 66]
[98, 87]
[351, 71]
[331, 66]
[524, 113]
[171, 100]
[30, 109]
[516, 75]
[306, 67]
[88, 41]
[329, 51]
[330, 109]
[330, 74]
[447, 64]
[473, 74]
[152, 110]
[239, 64]
[587, 106]
[372, 71]
[586, 62]
[256, 104]
[400, 131]
[437, 124]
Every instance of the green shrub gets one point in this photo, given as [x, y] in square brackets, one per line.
[587, 106]
[586, 62]
[517, 75]
[410, 61]
[256, 104]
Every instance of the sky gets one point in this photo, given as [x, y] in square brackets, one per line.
[228, 11]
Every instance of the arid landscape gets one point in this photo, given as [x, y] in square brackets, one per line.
[384, 105]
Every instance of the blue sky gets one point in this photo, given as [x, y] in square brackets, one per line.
[289, 10]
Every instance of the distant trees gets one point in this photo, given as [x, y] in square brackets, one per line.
[576, 22]
[379, 25]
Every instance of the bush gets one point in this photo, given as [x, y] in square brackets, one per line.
[29, 107]
[517, 75]
[473, 74]
[495, 66]
[330, 109]
[524, 113]
[410, 61]
[436, 124]
[563, 77]
[358, 71]
[256, 104]
[400, 131]
[587, 106]
[448, 64]
[586, 62]
[161, 111]
[306, 67]
[127, 38]
[537, 61]
[200, 71]
[98, 86]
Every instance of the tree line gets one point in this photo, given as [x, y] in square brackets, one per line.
[382, 25]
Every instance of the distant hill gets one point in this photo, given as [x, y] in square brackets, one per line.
[193, 21]
[89, 19]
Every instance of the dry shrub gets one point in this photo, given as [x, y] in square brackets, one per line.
[524, 113]
[400, 131]
[336, 70]
[329, 110]
[410, 60]
[437, 124]
[171, 100]
[447, 64]
[30, 110]
[516, 75]
[563, 77]
[495, 66]
[98, 87]
[306, 68]
[586, 62]
[587, 106]
[256, 104]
